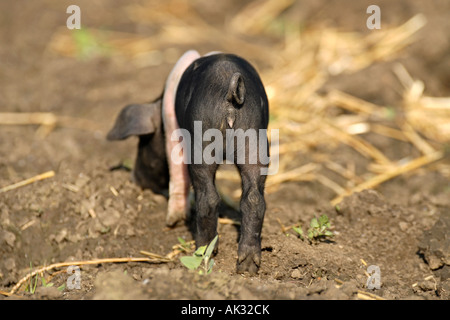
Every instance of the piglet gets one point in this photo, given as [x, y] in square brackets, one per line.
[220, 92]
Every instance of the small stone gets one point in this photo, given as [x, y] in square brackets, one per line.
[296, 274]
[109, 217]
[403, 226]
[10, 238]
[61, 236]
[427, 285]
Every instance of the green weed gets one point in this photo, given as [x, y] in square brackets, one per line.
[33, 282]
[318, 229]
[202, 254]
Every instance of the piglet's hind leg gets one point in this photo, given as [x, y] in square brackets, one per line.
[252, 207]
[207, 202]
[178, 205]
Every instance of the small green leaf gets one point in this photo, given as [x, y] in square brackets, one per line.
[329, 233]
[211, 246]
[314, 223]
[200, 251]
[191, 262]
[128, 164]
[210, 266]
[184, 246]
[45, 284]
[299, 230]
[323, 220]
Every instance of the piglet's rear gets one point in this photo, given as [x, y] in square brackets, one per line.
[223, 91]
[219, 92]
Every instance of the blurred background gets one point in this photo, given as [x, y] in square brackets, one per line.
[351, 103]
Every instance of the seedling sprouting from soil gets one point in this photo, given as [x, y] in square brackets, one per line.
[203, 253]
[318, 229]
[31, 288]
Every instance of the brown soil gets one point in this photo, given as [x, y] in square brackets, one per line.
[402, 227]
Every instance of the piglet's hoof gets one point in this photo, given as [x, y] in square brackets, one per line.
[248, 262]
[177, 208]
[174, 218]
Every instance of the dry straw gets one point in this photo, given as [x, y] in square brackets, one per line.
[41, 270]
[295, 62]
[25, 182]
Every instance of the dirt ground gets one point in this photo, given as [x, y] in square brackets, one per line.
[88, 212]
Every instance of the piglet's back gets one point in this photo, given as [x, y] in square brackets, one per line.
[223, 91]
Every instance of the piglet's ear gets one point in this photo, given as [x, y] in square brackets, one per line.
[136, 119]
